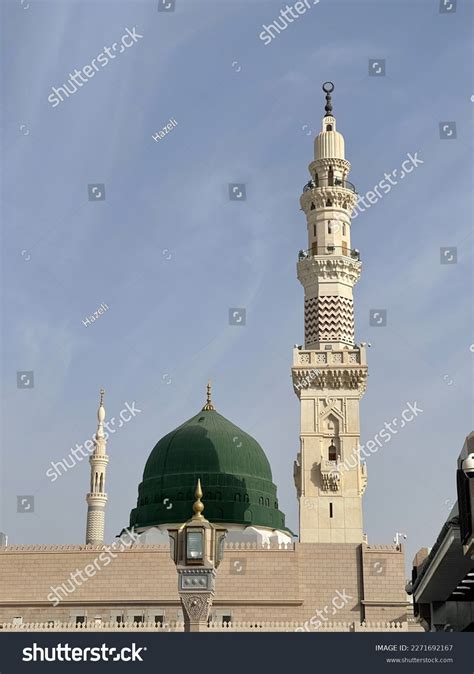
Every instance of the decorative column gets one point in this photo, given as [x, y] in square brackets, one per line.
[197, 549]
[330, 372]
[97, 498]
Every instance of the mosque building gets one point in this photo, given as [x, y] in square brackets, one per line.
[325, 577]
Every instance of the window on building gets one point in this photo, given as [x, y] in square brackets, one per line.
[328, 202]
[138, 618]
[343, 229]
[332, 452]
[120, 619]
[312, 206]
[159, 619]
[267, 502]
[329, 228]
[314, 230]
[238, 497]
[80, 619]
[260, 500]
[328, 127]
[330, 510]
[226, 618]
[330, 177]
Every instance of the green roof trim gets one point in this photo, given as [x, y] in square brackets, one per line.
[234, 471]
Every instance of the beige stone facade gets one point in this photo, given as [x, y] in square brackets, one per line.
[347, 583]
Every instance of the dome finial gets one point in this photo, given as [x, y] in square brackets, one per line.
[198, 506]
[209, 407]
[328, 88]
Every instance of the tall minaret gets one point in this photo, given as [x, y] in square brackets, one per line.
[97, 498]
[330, 372]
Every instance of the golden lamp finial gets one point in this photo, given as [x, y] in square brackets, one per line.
[209, 407]
[198, 506]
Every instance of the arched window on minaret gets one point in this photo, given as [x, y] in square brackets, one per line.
[332, 452]
[316, 179]
[330, 177]
[312, 207]
[328, 202]
[328, 127]
[101, 483]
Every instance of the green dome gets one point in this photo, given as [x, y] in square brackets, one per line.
[235, 475]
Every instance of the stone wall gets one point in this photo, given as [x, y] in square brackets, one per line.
[340, 583]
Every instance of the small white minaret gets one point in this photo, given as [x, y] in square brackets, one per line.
[97, 498]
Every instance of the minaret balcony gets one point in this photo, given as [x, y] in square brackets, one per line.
[329, 250]
[337, 183]
[330, 475]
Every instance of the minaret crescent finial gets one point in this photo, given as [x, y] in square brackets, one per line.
[209, 407]
[328, 88]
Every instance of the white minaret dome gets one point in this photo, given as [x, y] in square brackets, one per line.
[329, 143]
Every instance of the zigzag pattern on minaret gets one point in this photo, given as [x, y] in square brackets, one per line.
[329, 318]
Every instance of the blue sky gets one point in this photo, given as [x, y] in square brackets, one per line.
[169, 253]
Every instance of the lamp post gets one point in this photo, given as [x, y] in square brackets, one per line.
[197, 549]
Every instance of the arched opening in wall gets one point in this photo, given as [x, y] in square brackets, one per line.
[312, 207]
[328, 202]
[101, 483]
[343, 229]
[238, 498]
[328, 127]
[246, 498]
[330, 177]
[332, 452]
[267, 502]
[260, 500]
[329, 227]
[316, 179]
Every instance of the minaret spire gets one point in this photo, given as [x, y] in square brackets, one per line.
[97, 498]
[328, 88]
